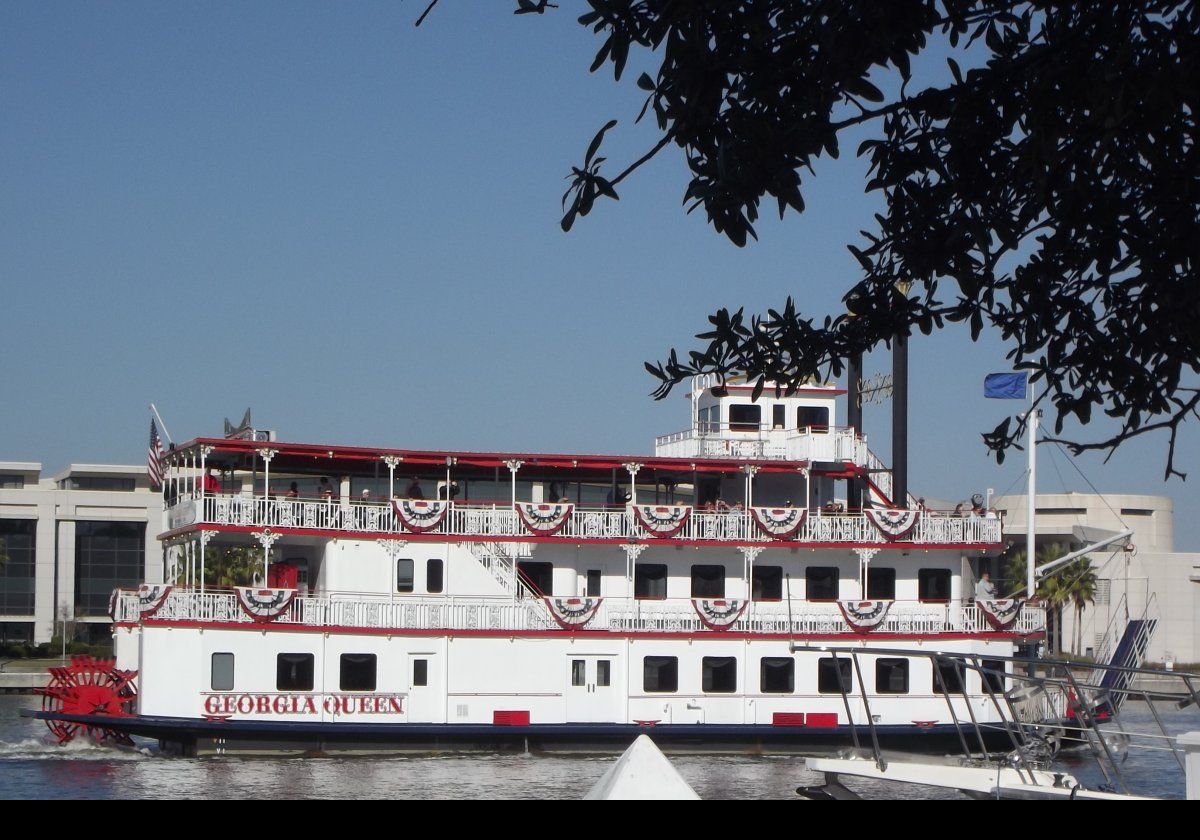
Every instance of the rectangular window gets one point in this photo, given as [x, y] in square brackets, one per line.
[294, 672]
[420, 672]
[650, 581]
[358, 672]
[719, 674]
[660, 674]
[434, 583]
[8, 481]
[891, 676]
[94, 482]
[950, 674]
[18, 544]
[777, 675]
[593, 583]
[222, 672]
[603, 673]
[821, 583]
[778, 416]
[881, 584]
[812, 417]
[933, 584]
[993, 675]
[578, 672]
[404, 575]
[827, 675]
[767, 583]
[708, 581]
[745, 418]
[108, 555]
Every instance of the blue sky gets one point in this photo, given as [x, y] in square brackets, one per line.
[352, 225]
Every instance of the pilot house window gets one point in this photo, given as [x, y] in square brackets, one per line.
[745, 418]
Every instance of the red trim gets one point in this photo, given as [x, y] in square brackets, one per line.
[576, 634]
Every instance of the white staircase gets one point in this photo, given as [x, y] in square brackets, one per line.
[500, 559]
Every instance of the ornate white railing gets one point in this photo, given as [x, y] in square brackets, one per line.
[501, 523]
[614, 614]
[840, 444]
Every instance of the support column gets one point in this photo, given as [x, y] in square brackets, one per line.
[392, 462]
[632, 552]
[633, 468]
[900, 422]
[750, 470]
[392, 549]
[266, 539]
[749, 555]
[865, 555]
[205, 538]
[854, 419]
[513, 466]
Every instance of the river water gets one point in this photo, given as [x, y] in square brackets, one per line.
[32, 768]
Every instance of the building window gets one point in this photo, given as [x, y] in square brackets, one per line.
[594, 577]
[745, 418]
[719, 674]
[708, 581]
[778, 416]
[650, 581]
[827, 675]
[777, 675]
[891, 676]
[99, 482]
[358, 672]
[993, 675]
[812, 417]
[420, 672]
[949, 676]
[539, 576]
[11, 482]
[767, 583]
[660, 674]
[603, 673]
[294, 672]
[881, 584]
[434, 582]
[222, 672]
[18, 561]
[404, 575]
[933, 584]
[108, 555]
[821, 583]
[578, 672]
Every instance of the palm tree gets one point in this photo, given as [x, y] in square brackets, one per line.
[232, 565]
[1050, 590]
[1079, 586]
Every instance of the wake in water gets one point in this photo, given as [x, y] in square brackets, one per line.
[81, 749]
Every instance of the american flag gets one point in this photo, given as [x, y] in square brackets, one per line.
[154, 458]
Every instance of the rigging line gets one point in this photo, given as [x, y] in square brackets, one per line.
[1054, 463]
[1087, 481]
[1021, 477]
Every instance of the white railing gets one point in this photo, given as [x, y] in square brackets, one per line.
[840, 443]
[501, 523]
[677, 615]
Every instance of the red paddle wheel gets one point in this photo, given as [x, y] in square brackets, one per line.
[89, 686]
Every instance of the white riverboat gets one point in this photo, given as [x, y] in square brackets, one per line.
[421, 600]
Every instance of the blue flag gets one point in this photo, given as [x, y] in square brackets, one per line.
[1005, 386]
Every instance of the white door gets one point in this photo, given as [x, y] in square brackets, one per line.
[426, 695]
[592, 692]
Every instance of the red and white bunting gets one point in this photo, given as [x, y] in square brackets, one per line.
[151, 597]
[864, 616]
[419, 516]
[779, 523]
[1001, 613]
[572, 613]
[893, 524]
[663, 520]
[264, 605]
[719, 613]
[544, 520]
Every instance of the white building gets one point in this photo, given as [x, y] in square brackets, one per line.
[67, 541]
[1151, 579]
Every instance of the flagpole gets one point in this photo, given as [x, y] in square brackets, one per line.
[161, 423]
[1031, 510]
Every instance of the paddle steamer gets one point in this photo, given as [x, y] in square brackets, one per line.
[401, 599]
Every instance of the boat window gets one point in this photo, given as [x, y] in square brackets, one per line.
[891, 676]
[777, 675]
[294, 672]
[578, 672]
[951, 674]
[434, 580]
[404, 576]
[821, 583]
[993, 675]
[881, 584]
[778, 416]
[420, 672]
[650, 581]
[358, 672]
[539, 576]
[767, 583]
[594, 577]
[660, 674]
[708, 581]
[745, 418]
[812, 416]
[719, 674]
[603, 673]
[827, 675]
[933, 584]
[222, 672]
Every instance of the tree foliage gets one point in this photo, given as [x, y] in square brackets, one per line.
[233, 565]
[1048, 190]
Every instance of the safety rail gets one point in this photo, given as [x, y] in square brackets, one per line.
[501, 522]
[841, 444]
[676, 615]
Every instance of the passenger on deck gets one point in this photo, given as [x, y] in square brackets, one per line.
[211, 484]
[453, 490]
[414, 490]
[325, 490]
[985, 590]
[365, 496]
[293, 491]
